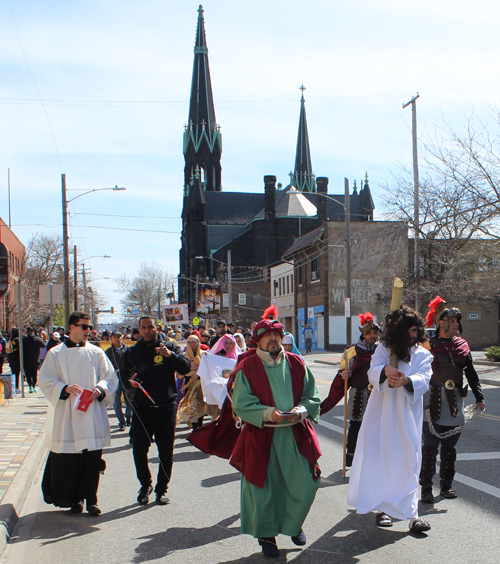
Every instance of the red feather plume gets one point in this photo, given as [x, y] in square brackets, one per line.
[433, 305]
[365, 318]
[271, 312]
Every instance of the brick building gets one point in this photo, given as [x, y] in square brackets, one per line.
[379, 251]
[11, 247]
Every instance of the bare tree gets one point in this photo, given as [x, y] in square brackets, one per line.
[459, 207]
[147, 290]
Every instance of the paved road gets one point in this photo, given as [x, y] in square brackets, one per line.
[202, 523]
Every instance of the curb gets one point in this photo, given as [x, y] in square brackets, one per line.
[15, 497]
[329, 362]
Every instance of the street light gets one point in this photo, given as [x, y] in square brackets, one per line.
[65, 203]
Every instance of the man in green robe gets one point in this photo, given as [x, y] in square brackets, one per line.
[275, 395]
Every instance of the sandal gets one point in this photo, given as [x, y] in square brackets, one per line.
[427, 496]
[419, 526]
[383, 520]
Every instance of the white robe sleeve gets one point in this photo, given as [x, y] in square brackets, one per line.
[380, 359]
[51, 378]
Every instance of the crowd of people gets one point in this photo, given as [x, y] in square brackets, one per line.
[248, 395]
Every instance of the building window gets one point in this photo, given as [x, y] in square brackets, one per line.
[291, 282]
[242, 299]
[299, 270]
[275, 284]
[315, 269]
[279, 293]
[288, 284]
[256, 300]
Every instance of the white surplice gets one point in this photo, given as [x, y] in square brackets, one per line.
[386, 465]
[72, 431]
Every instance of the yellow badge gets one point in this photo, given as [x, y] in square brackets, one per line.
[158, 359]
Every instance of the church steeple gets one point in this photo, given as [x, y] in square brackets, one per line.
[303, 177]
[202, 136]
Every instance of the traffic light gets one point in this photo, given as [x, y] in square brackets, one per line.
[112, 310]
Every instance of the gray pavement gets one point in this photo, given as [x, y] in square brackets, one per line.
[202, 523]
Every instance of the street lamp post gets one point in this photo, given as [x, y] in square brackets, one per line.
[65, 203]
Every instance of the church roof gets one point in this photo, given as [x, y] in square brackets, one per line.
[202, 123]
[303, 177]
[232, 208]
[291, 203]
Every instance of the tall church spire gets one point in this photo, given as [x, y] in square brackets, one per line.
[202, 136]
[303, 177]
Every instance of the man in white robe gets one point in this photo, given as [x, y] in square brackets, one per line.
[76, 438]
[386, 465]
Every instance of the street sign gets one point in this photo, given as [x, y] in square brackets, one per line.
[20, 293]
[196, 321]
[44, 293]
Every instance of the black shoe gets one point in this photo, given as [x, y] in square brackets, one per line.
[162, 499]
[383, 520]
[300, 539]
[269, 547]
[143, 497]
[77, 507]
[419, 526]
[128, 423]
[122, 428]
[348, 460]
[93, 510]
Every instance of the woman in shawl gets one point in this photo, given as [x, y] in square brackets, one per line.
[192, 407]
[289, 345]
[225, 346]
[240, 340]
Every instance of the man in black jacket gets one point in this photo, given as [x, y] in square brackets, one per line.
[31, 355]
[149, 367]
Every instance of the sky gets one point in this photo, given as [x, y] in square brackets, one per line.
[99, 91]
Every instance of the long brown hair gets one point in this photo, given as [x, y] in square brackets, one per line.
[396, 331]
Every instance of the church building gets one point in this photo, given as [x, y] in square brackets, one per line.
[251, 231]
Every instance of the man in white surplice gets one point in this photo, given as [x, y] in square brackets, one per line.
[386, 465]
[76, 438]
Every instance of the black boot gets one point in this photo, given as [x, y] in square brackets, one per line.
[447, 472]
[269, 547]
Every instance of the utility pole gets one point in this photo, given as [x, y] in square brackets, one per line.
[65, 249]
[84, 285]
[416, 221]
[347, 219]
[229, 286]
[75, 281]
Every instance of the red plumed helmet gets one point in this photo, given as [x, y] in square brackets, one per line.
[433, 305]
[271, 312]
[365, 318]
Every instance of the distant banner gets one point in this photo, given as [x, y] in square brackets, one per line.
[209, 301]
[175, 314]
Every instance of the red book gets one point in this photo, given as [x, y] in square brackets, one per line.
[82, 402]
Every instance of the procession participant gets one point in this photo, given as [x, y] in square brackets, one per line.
[149, 367]
[115, 354]
[192, 407]
[359, 357]
[386, 465]
[221, 331]
[288, 343]
[77, 438]
[445, 398]
[273, 390]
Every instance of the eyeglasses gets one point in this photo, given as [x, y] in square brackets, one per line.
[204, 335]
[84, 326]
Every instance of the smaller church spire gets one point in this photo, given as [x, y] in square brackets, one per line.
[303, 178]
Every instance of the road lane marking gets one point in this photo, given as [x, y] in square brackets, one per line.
[489, 416]
[476, 484]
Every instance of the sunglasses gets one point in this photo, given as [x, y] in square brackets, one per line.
[84, 326]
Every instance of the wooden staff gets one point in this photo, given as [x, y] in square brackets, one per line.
[346, 367]
[397, 295]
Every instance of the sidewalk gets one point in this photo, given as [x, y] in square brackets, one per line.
[22, 437]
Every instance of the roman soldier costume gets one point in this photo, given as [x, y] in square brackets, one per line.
[358, 359]
[444, 402]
